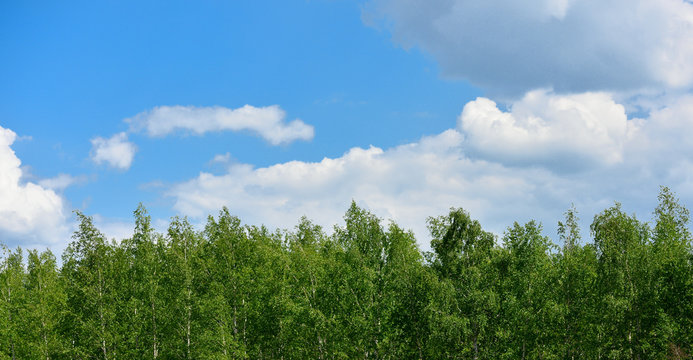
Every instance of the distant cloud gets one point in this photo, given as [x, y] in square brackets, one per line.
[509, 47]
[61, 181]
[116, 151]
[268, 122]
[221, 158]
[31, 212]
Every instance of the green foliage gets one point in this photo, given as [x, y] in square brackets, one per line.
[13, 310]
[88, 325]
[464, 255]
[45, 302]
[672, 278]
[365, 291]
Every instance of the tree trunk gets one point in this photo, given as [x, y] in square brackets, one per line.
[101, 318]
[188, 315]
[523, 349]
[9, 300]
[45, 339]
[156, 345]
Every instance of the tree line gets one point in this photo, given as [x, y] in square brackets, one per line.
[366, 291]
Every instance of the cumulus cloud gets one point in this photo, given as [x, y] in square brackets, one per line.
[564, 131]
[29, 212]
[509, 47]
[116, 151]
[268, 122]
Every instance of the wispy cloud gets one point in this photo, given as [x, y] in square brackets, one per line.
[268, 122]
[62, 181]
[221, 158]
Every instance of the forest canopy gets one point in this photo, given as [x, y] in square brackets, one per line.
[365, 291]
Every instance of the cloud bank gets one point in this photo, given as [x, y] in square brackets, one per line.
[29, 213]
[535, 159]
[405, 183]
[509, 47]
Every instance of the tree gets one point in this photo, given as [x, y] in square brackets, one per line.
[89, 323]
[673, 275]
[529, 293]
[306, 327]
[623, 280]
[146, 251]
[13, 307]
[224, 288]
[181, 272]
[360, 280]
[464, 259]
[46, 301]
[577, 274]
[407, 291]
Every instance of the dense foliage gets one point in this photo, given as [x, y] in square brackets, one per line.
[235, 291]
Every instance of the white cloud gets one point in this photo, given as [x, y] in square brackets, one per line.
[569, 131]
[30, 213]
[495, 165]
[115, 151]
[268, 122]
[509, 47]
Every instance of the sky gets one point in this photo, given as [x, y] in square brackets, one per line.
[280, 109]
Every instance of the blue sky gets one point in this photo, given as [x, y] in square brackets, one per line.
[279, 109]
